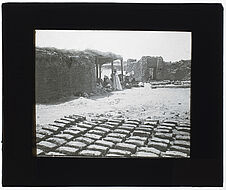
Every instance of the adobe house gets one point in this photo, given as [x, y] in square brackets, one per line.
[147, 68]
[154, 68]
[64, 73]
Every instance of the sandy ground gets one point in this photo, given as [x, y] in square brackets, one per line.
[140, 103]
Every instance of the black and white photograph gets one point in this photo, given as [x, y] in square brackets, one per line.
[112, 95]
[103, 93]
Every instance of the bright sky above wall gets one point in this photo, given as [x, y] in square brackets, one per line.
[172, 46]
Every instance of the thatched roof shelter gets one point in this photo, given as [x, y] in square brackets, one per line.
[78, 57]
[77, 53]
[103, 57]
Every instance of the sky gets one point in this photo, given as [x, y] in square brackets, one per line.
[172, 46]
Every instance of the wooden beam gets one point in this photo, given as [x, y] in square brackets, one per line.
[122, 68]
[104, 60]
[99, 71]
[96, 68]
[112, 67]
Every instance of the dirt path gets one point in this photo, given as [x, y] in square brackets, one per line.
[140, 103]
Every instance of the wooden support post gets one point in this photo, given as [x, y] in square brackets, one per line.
[112, 67]
[122, 68]
[100, 71]
[96, 62]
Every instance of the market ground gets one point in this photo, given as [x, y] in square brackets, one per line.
[143, 102]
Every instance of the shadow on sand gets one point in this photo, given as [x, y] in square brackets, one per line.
[71, 98]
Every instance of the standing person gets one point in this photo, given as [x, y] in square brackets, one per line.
[127, 77]
[116, 82]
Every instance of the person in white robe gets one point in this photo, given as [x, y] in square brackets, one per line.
[116, 82]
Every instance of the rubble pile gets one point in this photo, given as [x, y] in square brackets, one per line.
[113, 137]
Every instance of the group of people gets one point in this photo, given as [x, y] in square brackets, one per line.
[113, 83]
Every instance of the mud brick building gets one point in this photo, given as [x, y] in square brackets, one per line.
[146, 68]
[152, 68]
[155, 68]
[62, 73]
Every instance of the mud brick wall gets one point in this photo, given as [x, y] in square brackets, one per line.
[114, 137]
[141, 68]
[62, 75]
[152, 62]
[180, 70]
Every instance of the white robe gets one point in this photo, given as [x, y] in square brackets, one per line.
[116, 82]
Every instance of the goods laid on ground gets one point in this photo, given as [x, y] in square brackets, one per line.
[113, 137]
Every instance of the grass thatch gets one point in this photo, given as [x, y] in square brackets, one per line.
[103, 54]
[75, 53]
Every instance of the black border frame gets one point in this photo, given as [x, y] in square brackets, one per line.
[204, 168]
